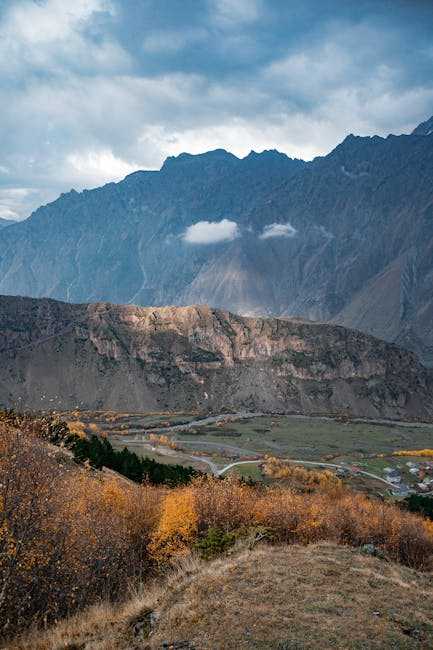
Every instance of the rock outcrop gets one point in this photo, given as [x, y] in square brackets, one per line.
[59, 355]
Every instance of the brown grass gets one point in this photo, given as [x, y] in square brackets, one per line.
[309, 597]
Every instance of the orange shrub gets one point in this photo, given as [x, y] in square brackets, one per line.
[77, 427]
[224, 504]
[404, 537]
[291, 517]
[68, 537]
[177, 527]
[160, 439]
[414, 452]
[299, 477]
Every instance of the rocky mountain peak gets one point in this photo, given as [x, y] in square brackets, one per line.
[195, 161]
[425, 128]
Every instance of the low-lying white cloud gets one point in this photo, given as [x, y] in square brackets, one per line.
[211, 232]
[278, 230]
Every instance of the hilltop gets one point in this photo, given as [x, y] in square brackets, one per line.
[309, 597]
[59, 355]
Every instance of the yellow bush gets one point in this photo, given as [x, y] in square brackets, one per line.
[414, 452]
[77, 427]
[299, 477]
[160, 439]
[177, 527]
[224, 504]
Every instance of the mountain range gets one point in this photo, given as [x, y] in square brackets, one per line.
[94, 356]
[346, 238]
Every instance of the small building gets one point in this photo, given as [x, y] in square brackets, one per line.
[426, 485]
[392, 474]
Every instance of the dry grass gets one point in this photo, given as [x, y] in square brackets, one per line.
[318, 596]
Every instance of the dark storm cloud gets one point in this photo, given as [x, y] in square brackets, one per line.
[94, 89]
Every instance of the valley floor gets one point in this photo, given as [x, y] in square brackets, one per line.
[364, 450]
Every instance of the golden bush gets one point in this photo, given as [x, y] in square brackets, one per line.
[177, 527]
[427, 453]
[300, 478]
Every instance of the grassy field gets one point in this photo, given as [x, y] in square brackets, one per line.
[291, 436]
[314, 438]
[247, 471]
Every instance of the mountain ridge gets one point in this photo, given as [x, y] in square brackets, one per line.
[102, 355]
[342, 238]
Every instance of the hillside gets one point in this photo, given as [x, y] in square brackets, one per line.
[318, 596]
[59, 355]
[74, 536]
[347, 237]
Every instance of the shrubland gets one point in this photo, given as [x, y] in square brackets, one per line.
[72, 536]
[425, 453]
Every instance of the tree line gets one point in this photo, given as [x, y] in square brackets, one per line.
[99, 452]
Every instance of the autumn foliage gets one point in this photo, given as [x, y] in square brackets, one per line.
[300, 478]
[68, 536]
[426, 453]
[71, 536]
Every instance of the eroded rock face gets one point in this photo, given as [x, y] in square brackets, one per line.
[101, 355]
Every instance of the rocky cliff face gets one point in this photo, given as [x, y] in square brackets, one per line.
[355, 243]
[57, 355]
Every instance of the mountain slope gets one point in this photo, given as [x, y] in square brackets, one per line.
[354, 243]
[59, 355]
[316, 596]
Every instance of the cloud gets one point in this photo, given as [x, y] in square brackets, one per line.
[167, 41]
[99, 88]
[100, 164]
[230, 13]
[49, 38]
[211, 232]
[278, 230]
[11, 200]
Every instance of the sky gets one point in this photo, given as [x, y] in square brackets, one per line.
[92, 90]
